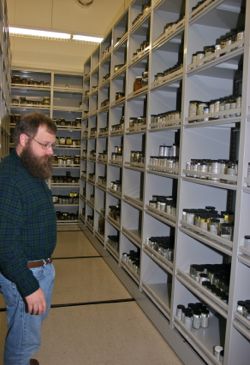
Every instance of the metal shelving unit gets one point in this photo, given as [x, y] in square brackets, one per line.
[153, 139]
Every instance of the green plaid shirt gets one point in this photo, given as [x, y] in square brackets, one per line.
[27, 223]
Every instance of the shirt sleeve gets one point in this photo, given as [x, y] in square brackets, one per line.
[13, 263]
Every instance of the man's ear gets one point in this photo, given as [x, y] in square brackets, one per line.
[23, 139]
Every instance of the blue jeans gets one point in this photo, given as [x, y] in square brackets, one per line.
[24, 330]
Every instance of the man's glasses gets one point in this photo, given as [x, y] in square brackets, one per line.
[45, 146]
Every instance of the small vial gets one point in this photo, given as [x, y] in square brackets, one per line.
[218, 352]
[247, 242]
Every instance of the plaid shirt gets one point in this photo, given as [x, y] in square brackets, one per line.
[27, 223]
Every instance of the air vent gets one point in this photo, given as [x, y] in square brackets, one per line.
[84, 2]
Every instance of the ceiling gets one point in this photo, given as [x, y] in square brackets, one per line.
[65, 15]
[60, 15]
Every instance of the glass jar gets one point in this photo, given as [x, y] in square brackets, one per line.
[138, 83]
[226, 231]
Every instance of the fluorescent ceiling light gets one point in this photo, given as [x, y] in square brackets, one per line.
[86, 38]
[38, 33]
[52, 35]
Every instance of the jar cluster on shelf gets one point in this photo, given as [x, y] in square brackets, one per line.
[116, 186]
[113, 241]
[132, 259]
[66, 160]
[168, 73]
[226, 107]
[140, 81]
[243, 308]
[66, 216]
[114, 212]
[62, 122]
[224, 44]
[68, 179]
[31, 100]
[137, 123]
[119, 127]
[164, 164]
[210, 220]
[68, 141]
[102, 180]
[194, 315]
[215, 170]
[172, 27]
[15, 79]
[166, 119]
[165, 204]
[145, 8]
[116, 156]
[137, 158]
[103, 156]
[214, 277]
[164, 245]
[141, 48]
[71, 198]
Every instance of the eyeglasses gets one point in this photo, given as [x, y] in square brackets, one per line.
[45, 146]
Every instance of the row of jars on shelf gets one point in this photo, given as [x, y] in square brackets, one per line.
[66, 216]
[33, 100]
[15, 79]
[210, 220]
[165, 204]
[169, 72]
[225, 43]
[214, 277]
[68, 141]
[163, 245]
[196, 316]
[165, 119]
[212, 169]
[66, 160]
[114, 212]
[226, 107]
[144, 9]
[141, 48]
[132, 259]
[71, 198]
[113, 241]
[61, 122]
[243, 308]
[68, 179]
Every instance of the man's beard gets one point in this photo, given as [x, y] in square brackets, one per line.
[37, 166]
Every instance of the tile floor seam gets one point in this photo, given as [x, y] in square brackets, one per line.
[76, 257]
[98, 302]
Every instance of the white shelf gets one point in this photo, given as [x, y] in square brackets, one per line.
[242, 325]
[112, 251]
[162, 216]
[133, 235]
[214, 241]
[158, 295]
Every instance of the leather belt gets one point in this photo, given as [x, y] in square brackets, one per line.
[34, 264]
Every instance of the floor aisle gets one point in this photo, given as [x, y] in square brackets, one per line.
[94, 320]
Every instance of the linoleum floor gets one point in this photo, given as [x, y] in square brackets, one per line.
[93, 319]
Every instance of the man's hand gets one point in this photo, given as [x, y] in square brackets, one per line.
[36, 302]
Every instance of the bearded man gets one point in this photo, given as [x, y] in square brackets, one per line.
[27, 236]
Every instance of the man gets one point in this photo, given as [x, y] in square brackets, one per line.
[27, 236]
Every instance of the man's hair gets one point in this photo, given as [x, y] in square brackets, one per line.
[30, 123]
